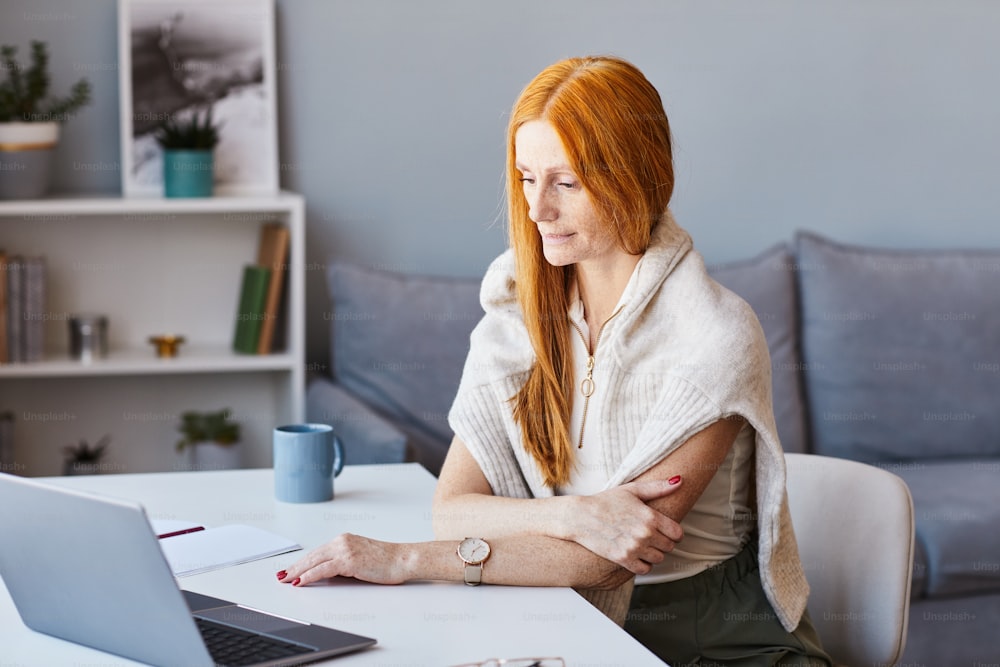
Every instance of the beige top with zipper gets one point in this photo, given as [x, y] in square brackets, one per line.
[720, 522]
[682, 353]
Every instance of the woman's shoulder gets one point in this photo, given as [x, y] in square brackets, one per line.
[498, 289]
[677, 295]
[697, 325]
[701, 306]
[717, 305]
[499, 346]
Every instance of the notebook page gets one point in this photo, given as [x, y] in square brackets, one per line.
[220, 547]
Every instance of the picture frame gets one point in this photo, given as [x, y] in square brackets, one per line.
[177, 57]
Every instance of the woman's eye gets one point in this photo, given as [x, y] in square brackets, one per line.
[525, 179]
[568, 186]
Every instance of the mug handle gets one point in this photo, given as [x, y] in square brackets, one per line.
[338, 456]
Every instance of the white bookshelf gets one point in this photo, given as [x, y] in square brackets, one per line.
[152, 266]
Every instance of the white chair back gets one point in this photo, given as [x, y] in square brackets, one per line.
[854, 527]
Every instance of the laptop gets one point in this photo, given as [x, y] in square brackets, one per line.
[88, 569]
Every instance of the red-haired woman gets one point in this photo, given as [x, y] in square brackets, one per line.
[615, 400]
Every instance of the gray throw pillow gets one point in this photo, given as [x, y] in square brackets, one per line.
[902, 350]
[767, 283]
[957, 510]
[367, 437]
[400, 341]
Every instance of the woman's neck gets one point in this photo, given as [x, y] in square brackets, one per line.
[601, 288]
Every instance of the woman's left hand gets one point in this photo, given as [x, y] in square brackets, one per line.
[350, 556]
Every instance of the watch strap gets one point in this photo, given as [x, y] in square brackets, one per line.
[473, 574]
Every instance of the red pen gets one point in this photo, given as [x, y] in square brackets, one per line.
[181, 532]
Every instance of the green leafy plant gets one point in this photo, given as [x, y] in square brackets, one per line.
[214, 427]
[196, 133]
[24, 92]
[84, 452]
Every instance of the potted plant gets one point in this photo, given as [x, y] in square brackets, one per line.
[188, 158]
[84, 459]
[30, 121]
[211, 438]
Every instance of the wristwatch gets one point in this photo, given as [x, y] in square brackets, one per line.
[473, 551]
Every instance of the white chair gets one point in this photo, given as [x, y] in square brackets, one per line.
[854, 526]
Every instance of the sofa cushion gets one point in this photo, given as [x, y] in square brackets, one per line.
[901, 351]
[767, 283]
[366, 437]
[399, 343]
[957, 510]
[918, 588]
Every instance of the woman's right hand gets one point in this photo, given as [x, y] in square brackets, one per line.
[620, 526]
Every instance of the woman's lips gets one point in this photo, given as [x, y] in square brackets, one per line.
[555, 239]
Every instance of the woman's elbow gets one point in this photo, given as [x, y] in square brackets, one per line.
[605, 576]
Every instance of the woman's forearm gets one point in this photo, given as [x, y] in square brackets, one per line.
[474, 514]
[516, 560]
[618, 524]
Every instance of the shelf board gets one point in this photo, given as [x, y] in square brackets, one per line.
[142, 361]
[79, 205]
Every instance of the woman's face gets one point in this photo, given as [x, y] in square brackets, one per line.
[571, 230]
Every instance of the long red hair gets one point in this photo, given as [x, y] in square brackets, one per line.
[617, 139]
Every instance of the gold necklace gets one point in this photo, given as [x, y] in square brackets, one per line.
[587, 385]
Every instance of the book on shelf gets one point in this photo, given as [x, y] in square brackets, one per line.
[15, 307]
[33, 327]
[7, 463]
[273, 254]
[3, 307]
[250, 312]
[23, 296]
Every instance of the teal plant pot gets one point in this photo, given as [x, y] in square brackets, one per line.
[187, 173]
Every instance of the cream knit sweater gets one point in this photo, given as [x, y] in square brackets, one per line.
[683, 353]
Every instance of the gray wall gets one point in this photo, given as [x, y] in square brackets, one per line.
[870, 122]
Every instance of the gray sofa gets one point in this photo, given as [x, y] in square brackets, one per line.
[882, 356]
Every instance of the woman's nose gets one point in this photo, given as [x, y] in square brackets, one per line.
[540, 206]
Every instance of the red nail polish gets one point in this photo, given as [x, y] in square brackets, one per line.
[296, 581]
[282, 575]
[674, 480]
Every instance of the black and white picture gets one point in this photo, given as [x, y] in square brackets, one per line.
[180, 57]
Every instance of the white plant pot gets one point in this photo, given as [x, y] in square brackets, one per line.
[212, 456]
[30, 135]
[26, 158]
[81, 468]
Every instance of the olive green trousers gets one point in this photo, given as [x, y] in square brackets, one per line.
[720, 617]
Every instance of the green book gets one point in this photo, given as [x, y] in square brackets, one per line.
[250, 314]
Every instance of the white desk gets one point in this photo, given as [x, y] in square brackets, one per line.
[416, 624]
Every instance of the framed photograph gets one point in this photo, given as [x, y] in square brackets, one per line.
[181, 57]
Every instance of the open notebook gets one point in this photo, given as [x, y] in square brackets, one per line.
[192, 549]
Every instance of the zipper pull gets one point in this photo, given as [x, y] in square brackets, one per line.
[587, 385]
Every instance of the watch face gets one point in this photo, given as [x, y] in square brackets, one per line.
[474, 550]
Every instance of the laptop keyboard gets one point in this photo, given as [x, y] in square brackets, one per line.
[231, 647]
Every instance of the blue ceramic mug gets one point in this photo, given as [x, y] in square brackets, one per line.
[306, 459]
